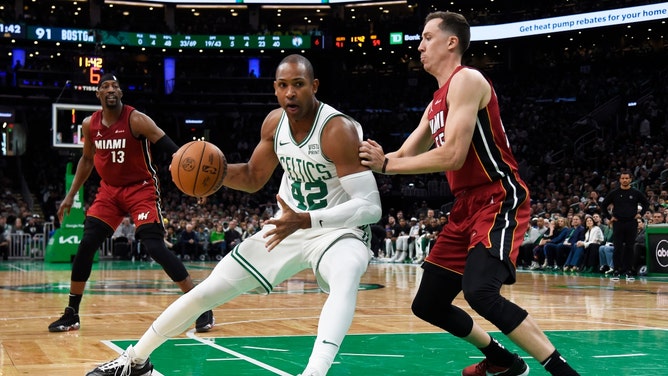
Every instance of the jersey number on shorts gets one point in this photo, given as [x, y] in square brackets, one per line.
[310, 195]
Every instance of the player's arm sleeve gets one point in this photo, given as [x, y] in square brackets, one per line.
[363, 208]
[165, 144]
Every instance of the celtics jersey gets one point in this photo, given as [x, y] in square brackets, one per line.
[309, 180]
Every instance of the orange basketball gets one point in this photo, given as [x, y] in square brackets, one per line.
[198, 168]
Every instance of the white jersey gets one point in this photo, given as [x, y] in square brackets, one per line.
[310, 181]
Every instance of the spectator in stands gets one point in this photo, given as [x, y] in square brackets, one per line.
[189, 243]
[403, 238]
[593, 239]
[540, 225]
[391, 233]
[124, 239]
[4, 237]
[431, 231]
[557, 234]
[171, 239]
[591, 206]
[378, 240]
[569, 251]
[538, 260]
[35, 229]
[203, 235]
[17, 228]
[217, 244]
[658, 218]
[423, 210]
[639, 251]
[249, 231]
[413, 236]
[605, 251]
[532, 237]
[233, 234]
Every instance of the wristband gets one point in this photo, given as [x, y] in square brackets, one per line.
[166, 145]
[384, 165]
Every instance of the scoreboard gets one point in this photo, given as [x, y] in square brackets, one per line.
[12, 30]
[358, 41]
[91, 67]
[186, 41]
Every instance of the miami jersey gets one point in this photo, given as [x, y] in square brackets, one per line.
[310, 181]
[489, 157]
[120, 158]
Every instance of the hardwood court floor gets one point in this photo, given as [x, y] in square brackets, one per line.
[601, 327]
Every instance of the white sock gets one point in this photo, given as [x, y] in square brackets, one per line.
[227, 280]
[341, 267]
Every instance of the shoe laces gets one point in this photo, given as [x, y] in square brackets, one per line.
[123, 362]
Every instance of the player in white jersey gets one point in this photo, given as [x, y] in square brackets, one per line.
[326, 198]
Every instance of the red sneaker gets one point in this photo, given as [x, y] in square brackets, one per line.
[485, 368]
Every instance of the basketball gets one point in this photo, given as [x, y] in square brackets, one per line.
[198, 168]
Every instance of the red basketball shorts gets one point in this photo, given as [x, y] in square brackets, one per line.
[140, 201]
[495, 215]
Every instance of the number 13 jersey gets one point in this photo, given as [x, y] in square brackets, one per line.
[120, 158]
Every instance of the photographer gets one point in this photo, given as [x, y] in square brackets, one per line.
[591, 206]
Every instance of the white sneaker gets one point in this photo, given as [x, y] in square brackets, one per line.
[123, 366]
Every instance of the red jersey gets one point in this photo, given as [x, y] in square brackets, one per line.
[120, 158]
[489, 157]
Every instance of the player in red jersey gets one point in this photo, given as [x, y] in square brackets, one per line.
[476, 251]
[117, 143]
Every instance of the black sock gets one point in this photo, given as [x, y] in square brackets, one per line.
[75, 300]
[497, 354]
[555, 364]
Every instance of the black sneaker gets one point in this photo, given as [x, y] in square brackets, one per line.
[123, 366]
[205, 322]
[630, 277]
[615, 276]
[68, 321]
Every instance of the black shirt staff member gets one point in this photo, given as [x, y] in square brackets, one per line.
[625, 200]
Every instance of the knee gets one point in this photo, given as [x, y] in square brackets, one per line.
[420, 308]
[425, 306]
[480, 299]
[496, 309]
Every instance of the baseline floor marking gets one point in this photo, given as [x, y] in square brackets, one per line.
[191, 334]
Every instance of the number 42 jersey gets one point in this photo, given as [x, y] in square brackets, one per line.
[310, 181]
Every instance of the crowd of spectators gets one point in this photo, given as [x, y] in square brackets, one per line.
[566, 114]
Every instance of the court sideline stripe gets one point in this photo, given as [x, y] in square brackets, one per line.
[191, 335]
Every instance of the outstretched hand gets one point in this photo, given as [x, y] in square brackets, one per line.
[372, 155]
[289, 222]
